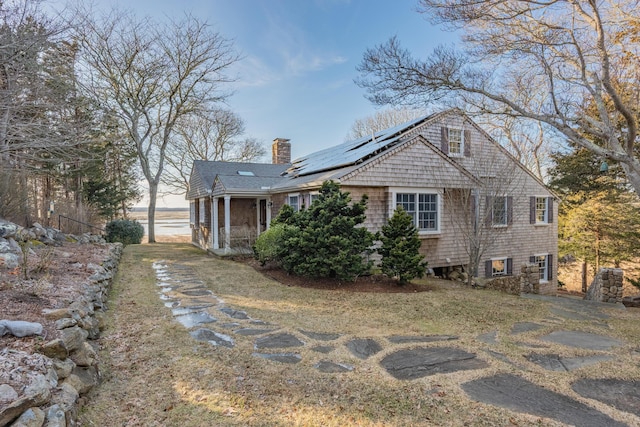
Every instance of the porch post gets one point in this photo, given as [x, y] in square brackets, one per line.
[215, 222]
[257, 216]
[227, 223]
[269, 204]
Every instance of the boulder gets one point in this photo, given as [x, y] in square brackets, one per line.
[56, 314]
[36, 395]
[56, 417]
[55, 349]
[32, 417]
[9, 260]
[7, 394]
[633, 301]
[84, 356]
[19, 328]
[83, 379]
[74, 337]
[63, 367]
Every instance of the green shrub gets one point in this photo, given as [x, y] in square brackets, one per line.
[268, 246]
[401, 258]
[124, 231]
[327, 240]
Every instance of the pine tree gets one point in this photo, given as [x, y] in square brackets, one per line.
[326, 240]
[400, 248]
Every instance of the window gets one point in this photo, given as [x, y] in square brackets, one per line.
[542, 261]
[497, 267]
[246, 173]
[201, 209]
[293, 200]
[423, 208]
[192, 212]
[456, 142]
[499, 211]
[541, 210]
[313, 197]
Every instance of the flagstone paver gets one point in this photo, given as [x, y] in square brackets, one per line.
[195, 306]
[515, 393]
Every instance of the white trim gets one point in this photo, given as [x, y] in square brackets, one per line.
[506, 269]
[215, 219]
[462, 141]
[297, 208]
[546, 210]
[416, 191]
[546, 266]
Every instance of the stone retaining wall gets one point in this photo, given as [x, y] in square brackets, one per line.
[528, 282]
[71, 361]
[607, 286]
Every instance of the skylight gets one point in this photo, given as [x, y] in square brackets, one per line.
[246, 173]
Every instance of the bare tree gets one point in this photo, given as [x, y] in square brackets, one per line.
[212, 135]
[543, 61]
[151, 76]
[481, 216]
[381, 120]
[526, 142]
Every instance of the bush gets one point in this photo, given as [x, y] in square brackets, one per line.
[124, 231]
[327, 240]
[268, 246]
[400, 248]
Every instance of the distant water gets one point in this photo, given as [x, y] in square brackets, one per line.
[168, 227]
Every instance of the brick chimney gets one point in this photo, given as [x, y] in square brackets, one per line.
[281, 151]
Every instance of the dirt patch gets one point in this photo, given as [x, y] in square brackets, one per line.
[56, 276]
[377, 283]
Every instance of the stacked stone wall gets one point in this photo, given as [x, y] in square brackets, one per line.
[528, 282]
[607, 286]
[70, 362]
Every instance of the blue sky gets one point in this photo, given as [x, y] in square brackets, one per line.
[299, 58]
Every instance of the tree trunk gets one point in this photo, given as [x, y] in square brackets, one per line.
[633, 175]
[151, 212]
[584, 277]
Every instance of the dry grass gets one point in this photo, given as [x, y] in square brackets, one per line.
[155, 374]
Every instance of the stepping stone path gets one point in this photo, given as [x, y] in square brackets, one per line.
[200, 312]
[515, 393]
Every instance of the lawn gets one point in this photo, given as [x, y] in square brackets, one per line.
[155, 374]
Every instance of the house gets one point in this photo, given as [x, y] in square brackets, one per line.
[467, 194]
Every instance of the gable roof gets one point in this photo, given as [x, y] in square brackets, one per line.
[356, 151]
[232, 176]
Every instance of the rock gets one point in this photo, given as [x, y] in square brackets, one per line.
[83, 379]
[65, 322]
[517, 394]
[66, 397]
[56, 417]
[84, 356]
[7, 393]
[623, 395]
[328, 367]
[320, 335]
[32, 417]
[74, 337]
[633, 301]
[56, 314]
[363, 348]
[420, 362]
[19, 328]
[290, 358]
[36, 396]
[583, 340]
[403, 339]
[55, 349]
[63, 367]
[9, 260]
[8, 229]
[278, 341]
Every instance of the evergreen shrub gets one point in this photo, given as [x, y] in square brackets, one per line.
[400, 247]
[125, 231]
